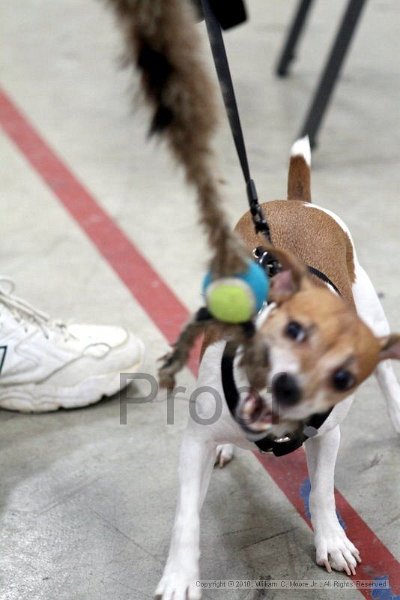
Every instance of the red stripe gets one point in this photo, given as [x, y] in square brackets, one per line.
[289, 473]
[150, 291]
[168, 314]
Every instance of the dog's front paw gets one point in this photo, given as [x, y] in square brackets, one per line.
[178, 586]
[335, 551]
[224, 455]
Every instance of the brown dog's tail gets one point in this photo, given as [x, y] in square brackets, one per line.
[299, 180]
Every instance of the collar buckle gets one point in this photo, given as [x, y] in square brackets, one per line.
[283, 439]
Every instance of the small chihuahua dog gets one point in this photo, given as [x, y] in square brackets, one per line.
[324, 335]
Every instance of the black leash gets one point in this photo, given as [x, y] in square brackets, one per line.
[228, 94]
[263, 257]
[310, 427]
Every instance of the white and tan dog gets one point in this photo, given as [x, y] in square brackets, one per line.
[318, 340]
[321, 342]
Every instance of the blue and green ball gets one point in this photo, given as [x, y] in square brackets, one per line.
[236, 299]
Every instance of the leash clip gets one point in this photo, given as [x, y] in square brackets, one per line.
[267, 261]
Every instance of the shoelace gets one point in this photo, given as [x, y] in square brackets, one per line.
[23, 312]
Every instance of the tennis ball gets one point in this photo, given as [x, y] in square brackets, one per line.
[238, 298]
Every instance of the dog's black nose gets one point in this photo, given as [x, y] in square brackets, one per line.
[285, 389]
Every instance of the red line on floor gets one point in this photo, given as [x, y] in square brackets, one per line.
[168, 314]
[151, 292]
[289, 473]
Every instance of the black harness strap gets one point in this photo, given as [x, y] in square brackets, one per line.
[266, 444]
[272, 267]
[323, 278]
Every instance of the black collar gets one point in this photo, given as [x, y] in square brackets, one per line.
[266, 444]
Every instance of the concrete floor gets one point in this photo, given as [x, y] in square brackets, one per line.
[86, 503]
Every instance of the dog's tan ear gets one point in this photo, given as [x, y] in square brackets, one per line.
[390, 347]
[290, 280]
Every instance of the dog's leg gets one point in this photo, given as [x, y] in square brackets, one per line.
[390, 387]
[181, 572]
[371, 310]
[333, 548]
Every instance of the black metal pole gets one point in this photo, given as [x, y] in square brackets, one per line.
[332, 69]
[289, 49]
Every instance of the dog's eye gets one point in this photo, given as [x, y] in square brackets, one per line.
[295, 331]
[343, 380]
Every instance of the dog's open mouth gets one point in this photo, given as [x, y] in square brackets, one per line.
[254, 414]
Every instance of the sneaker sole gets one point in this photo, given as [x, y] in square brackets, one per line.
[34, 399]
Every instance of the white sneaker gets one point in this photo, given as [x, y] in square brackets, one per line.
[45, 365]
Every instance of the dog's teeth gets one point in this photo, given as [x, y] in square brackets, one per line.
[255, 412]
[261, 427]
[249, 406]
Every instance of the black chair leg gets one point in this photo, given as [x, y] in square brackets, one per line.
[289, 48]
[331, 71]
